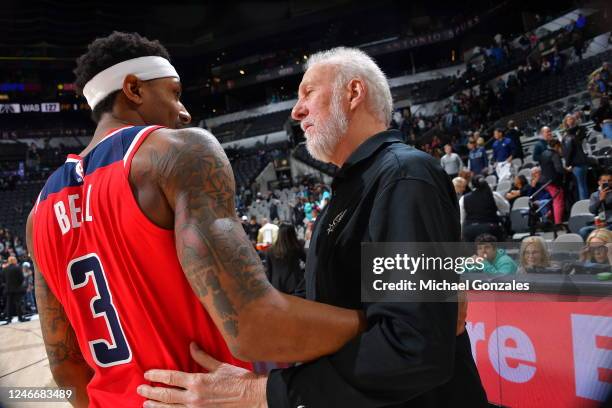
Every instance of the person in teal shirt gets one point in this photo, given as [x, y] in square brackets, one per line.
[496, 261]
[308, 207]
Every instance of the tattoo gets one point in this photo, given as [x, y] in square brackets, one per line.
[60, 340]
[216, 255]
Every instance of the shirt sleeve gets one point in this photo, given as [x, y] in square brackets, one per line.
[408, 348]
[459, 162]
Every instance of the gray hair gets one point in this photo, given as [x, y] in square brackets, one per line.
[353, 63]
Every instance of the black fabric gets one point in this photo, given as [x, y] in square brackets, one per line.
[253, 229]
[409, 356]
[479, 206]
[515, 136]
[285, 273]
[552, 168]
[14, 279]
[13, 306]
[572, 147]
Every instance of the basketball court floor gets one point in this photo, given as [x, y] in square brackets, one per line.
[23, 361]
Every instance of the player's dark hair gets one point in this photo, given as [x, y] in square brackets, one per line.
[107, 51]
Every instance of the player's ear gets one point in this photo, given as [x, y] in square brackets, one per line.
[132, 89]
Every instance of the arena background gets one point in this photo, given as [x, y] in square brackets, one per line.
[455, 68]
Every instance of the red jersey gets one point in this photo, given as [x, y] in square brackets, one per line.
[117, 274]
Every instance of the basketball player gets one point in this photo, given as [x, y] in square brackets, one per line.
[133, 235]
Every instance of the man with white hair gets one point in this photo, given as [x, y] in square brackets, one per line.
[412, 354]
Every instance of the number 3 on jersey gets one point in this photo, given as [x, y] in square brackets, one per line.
[105, 354]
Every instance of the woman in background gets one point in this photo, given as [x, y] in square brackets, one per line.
[283, 262]
[533, 255]
[598, 247]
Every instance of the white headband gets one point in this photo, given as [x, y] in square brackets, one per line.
[111, 79]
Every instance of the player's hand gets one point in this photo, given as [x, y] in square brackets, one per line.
[224, 386]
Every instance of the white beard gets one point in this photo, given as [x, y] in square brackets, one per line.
[322, 144]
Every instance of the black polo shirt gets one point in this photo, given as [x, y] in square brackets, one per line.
[409, 356]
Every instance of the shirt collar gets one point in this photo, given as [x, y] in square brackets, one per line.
[368, 148]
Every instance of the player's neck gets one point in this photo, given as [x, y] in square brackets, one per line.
[107, 123]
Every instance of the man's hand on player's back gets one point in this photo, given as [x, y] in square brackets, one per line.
[257, 322]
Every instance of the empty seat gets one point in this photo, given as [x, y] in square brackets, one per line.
[568, 238]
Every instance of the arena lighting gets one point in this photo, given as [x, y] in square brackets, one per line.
[241, 72]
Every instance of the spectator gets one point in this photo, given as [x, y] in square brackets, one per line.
[298, 211]
[598, 88]
[459, 183]
[283, 261]
[521, 188]
[598, 247]
[274, 209]
[540, 196]
[575, 157]
[496, 261]
[308, 209]
[533, 255]
[13, 276]
[245, 224]
[600, 204]
[477, 157]
[253, 229]
[502, 154]
[514, 134]
[30, 299]
[268, 233]
[479, 212]
[580, 22]
[546, 135]
[601, 115]
[553, 173]
[451, 162]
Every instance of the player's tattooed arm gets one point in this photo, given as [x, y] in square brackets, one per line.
[224, 269]
[66, 362]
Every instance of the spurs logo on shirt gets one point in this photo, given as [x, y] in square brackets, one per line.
[332, 226]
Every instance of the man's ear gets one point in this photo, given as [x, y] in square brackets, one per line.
[357, 91]
[132, 89]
